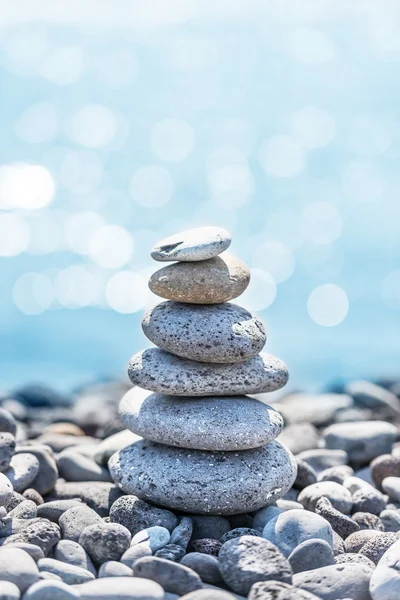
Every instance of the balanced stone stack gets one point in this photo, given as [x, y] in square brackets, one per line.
[208, 447]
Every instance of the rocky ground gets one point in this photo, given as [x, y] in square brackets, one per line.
[67, 531]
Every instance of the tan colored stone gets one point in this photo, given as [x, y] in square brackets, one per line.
[212, 281]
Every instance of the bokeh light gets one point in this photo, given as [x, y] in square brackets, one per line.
[93, 126]
[152, 186]
[390, 289]
[313, 127]
[25, 186]
[33, 293]
[14, 234]
[282, 156]
[37, 124]
[328, 305]
[320, 223]
[111, 247]
[261, 292]
[127, 292]
[81, 171]
[276, 258]
[172, 140]
[363, 181]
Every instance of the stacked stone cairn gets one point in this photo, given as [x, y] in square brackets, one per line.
[208, 447]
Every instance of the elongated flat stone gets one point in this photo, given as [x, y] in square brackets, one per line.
[160, 371]
[212, 281]
[216, 483]
[223, 423]
[220, 333]
[200, 243]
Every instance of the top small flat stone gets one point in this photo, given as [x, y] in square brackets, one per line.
[196, 244]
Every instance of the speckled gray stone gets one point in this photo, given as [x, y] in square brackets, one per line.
[217, 333]
[353, 558]
[7, 449]
[40, 532]
[22, 471]
[105, 541]
[376, 547]
[75, 519]
[277, 590]
[336, 581]
[212, 281]
[247, 559]
[207, 526]
[25, 510]
[160, 371]
[222, 423]
[191, 245]
[204, 482]
[6, 490]
[136, 514]
[293, 527]
[362, 440]
[385, 581]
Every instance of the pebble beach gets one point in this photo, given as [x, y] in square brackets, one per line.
[189, 483]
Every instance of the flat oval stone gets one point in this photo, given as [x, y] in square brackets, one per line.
[218, 483]
[221, 423]
[200, 243]
[212, 281]
[220, 333]
[160, 371]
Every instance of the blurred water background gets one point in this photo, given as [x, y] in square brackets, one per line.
[124, 121]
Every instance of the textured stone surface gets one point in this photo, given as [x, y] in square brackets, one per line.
[157, 537]
[105, 541]
[336, 581]
[220, 333]
[291, 528]
[160, 371]
[221, 423]
[247, 559]
[136, 515]
[75, 519]
[47, 475]
[6, 490]
[7, 449]
[277, 590]
[211, 281]
[205, 565]
[205, 482]
[196, 244]
[363, 440]
[73, 554]
[41, 533]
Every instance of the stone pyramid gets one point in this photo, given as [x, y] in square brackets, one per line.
[207, 448]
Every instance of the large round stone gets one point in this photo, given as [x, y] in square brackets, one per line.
[211, 281]
[221, 423]
[160, 371]
[220, 333]
[200, 243]
[218, 483]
